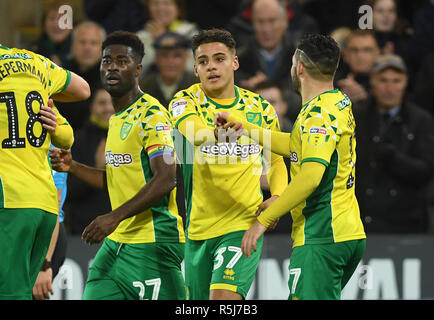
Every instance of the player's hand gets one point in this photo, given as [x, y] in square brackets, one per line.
[48, 117]
[100, 228]
[43, 285]
[221, 118]
[250, 238]
[60, 159]
[234, 129]
[264, 205]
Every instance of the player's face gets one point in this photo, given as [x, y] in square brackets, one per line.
[296, 84]
[215, 64]
[118, 70]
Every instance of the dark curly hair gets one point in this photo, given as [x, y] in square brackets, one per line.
[319, 54]
[128, 39]
[213, 35]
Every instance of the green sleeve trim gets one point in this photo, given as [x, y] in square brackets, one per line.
[182, 118]
[68, 80]
[316, 160]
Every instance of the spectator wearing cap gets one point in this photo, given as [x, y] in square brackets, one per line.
[395, 153]
[170, 76]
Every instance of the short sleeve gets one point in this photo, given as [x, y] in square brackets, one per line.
[319, 138]
[158, 136]
[181, 108]
[58, 78]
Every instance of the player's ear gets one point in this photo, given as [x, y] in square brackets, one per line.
[139, 68]
[236, 63]
[300, 68]
[195, 70]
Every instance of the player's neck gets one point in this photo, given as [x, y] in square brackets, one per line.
[312, 88]
[121, 102]
[226, 92]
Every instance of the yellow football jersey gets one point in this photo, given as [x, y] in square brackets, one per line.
[27, 80]
[136, 134]
[221, 180]
[324, 132]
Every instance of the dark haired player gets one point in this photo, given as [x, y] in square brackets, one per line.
[144, 238]
[329, 238]
[28, 197]
[221, 178]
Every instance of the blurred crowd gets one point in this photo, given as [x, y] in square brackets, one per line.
[387, 71]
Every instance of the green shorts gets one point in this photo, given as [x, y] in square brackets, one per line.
[143, 271]
[321, 271]
[25, 235]
[219, 263]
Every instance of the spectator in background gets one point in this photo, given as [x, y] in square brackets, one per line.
[85, 57]
[274, 95]
[395, 149]
[359, 54]
[54, 42]
[391, 32]
[116, 14]
[266, 55]
[340, 35]
[164, 15]
[83, 202]
[171, 53]
[299, 23]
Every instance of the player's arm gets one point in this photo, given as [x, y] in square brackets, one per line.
[61, 133]
[61, 160]
[278, 142]
[187, 121]
[195, 130]
[277, 175]
[63, 136]
[163, 181]
[77, 89]
[297, 191]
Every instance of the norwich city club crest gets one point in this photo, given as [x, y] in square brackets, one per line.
[254, 117]
[125, 130]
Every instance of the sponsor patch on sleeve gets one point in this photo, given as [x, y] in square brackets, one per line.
[317, 136]
[164, 134]
[178, 107]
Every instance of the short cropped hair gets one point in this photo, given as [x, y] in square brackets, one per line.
[128, 39]
[213, 35]
[319, 55]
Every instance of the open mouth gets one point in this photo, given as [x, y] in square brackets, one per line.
[112, 79]
[213, 78]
